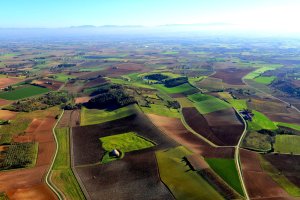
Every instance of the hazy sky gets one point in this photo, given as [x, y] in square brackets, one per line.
[277, 15]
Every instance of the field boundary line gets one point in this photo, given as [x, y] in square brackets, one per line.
[85, 192]
[52, 186]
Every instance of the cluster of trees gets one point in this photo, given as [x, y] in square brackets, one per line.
[66, 65]
[19, 156]
[279, 131]
[156, 77]
[173, 104]
[110, 96]
[40, 103]
[287, 87]
[173, 82]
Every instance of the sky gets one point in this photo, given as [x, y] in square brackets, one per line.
[260, 15]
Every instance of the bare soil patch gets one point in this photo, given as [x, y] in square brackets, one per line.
[258, 183]
[87, 147]
[4, 82]
[227, 75]
[4, 102]
[199, 124]
[135, 176]
[7, 115]
[222, 118]
[82, 99]
[71, 118]
[284, 117]
[51, 84]
[288, 165]
[38, 192]
[95, 82]
[223, 130]
[174, 128]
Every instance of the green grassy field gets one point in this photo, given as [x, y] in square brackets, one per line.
[257, 141]
[125, 142]
[178, 89]
[260, 121]
[278, 177]
[265, 79]
[262, 68]
[180, 179]
[200, 97]
[238, 104]
[287, 144]
[194, 80]
[62, 175]
[130, 83]
[211, 105]
[207, 104]
[225, 95]
[226, 169]
[23, 92]
[96, 116]
[62, 77]
[161, 110]
[292, 126]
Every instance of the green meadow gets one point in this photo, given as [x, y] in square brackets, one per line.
[226, 169]
[23, 92]
[96, 116]
[125, 142]
[180, 179]
[287, 144]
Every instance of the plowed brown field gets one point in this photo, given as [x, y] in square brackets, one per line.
[258, 183]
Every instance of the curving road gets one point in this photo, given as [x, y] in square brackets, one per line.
[48, 181]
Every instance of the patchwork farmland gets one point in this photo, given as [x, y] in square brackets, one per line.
[149, 119]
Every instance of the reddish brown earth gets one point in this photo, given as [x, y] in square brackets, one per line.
[284, 117]
[4, 102]
[82, 99]
[29, 183]
[135, 176]
[222, 118]
[95, 82]
[71, 118]
[258, 183]
[7, 115]
[123, 68]
[197, 162]
[227, 75]
[54, 86]
[4, 82]
[174, 128]
[221, 130]
[288, 165]
[199, 124]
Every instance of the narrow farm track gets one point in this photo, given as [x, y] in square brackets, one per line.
[237, 156]
[48, 181]
[237, 149]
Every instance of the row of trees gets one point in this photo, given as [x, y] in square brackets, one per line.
[40, 103]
